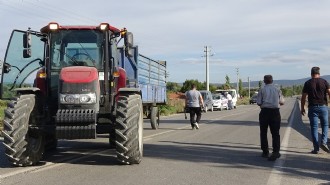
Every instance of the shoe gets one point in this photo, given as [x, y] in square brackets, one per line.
[196, 125]
[192, 127]
[325, 148]
[314, 152]
[265, 154]
[274, 156]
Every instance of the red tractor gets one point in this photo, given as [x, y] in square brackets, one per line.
[65, 82]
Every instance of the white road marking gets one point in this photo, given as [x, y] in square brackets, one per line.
[275, 177]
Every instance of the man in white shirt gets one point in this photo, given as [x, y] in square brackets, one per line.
[230, 101]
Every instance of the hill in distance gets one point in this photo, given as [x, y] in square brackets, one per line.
[284, 83]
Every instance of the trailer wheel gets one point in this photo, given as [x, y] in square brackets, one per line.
[23, 147]
[154, 119]
[129, 129]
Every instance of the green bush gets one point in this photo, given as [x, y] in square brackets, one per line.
[243, 101]
[173, 106]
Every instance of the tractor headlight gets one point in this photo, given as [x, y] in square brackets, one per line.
[78, 98]
[84, 98]
[70, 99]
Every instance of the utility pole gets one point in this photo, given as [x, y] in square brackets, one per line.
[237, 80]
[207, 54]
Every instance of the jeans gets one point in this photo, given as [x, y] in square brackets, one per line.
[193, 111]
[314, 114]
[271, 118]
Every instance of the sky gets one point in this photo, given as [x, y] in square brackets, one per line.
[247, 38]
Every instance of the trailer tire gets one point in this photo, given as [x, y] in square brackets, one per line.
[154, 119]
[23, 147]
[129, 128]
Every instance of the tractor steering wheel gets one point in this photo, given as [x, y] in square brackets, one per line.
[77, 54]
[88, 57]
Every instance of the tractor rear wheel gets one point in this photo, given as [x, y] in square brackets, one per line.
[23, 146]
[129, 128]
[154, 118]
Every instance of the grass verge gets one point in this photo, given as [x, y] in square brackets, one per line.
[173, 106]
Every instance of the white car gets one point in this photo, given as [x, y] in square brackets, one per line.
[232, 92]
[220, 102]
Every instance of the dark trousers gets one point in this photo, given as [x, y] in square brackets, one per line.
[271, 118]
[193, 111]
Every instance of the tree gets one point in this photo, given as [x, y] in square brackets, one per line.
[213, 88]
[172, 86]
[260, 84]
[240, 87]
[187, 85]
[227, 84]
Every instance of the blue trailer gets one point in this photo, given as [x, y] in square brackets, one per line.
[149, 76]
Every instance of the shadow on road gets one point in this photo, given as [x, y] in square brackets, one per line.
[240, 156]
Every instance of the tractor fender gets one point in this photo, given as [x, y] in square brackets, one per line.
[27, 89]
[131, 90]
[30, 90]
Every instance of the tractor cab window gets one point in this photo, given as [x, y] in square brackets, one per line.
[76, 48]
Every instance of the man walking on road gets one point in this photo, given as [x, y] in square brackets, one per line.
[269, 99]
[194, 101]
[317, 89]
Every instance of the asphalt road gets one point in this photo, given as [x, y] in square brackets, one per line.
[225, 150]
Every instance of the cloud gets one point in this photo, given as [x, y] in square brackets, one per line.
[281, 37]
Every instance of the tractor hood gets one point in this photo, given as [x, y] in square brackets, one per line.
[78, 74]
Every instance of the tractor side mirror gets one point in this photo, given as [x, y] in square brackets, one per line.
[128, 41]
[6, 68]
[27, 39]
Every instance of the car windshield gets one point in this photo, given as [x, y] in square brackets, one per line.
[216, 97]
[203, 95]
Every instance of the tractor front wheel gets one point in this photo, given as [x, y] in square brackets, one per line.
[23, 147]
[129, 128]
